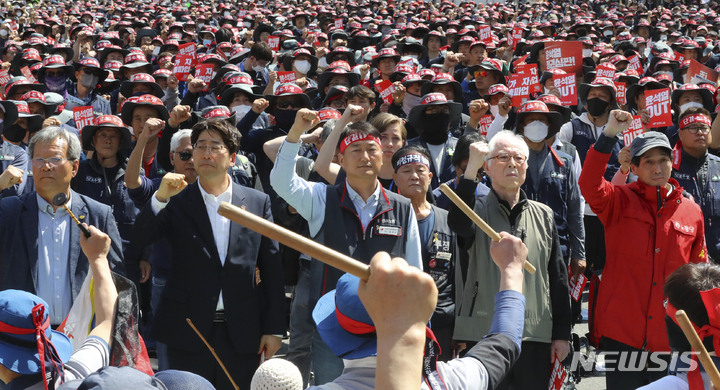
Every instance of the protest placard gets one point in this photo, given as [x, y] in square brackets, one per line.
[530, 71]
[485, 34]
[698, 73]
[83, 116]
[274, 43]
[578, 287]
[564, 55]
[657, 104]
[484, 124]
[558, 374]
[606, 70]
[566, 85]
[634, 63]
[621, 91]
[188, 49]
[4, 77]
[183, 66]
[286, 77]
[517, 34]
[629, 134]
[205, 72]
[518, 92]
[28, 74]
[386, 89]
[339, 23]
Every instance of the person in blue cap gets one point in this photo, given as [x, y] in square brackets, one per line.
[30, 349]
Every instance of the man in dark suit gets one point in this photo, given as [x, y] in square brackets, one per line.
[39, 243]
[224, 277]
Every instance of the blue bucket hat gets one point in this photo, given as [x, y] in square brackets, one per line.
[21, 315]
[343, 322]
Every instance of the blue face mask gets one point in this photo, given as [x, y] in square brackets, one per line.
[55, 84]
[207, 42]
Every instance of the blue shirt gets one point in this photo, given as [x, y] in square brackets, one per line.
[53, 282]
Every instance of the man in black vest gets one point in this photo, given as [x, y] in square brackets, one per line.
[698, 172]
[356, 217]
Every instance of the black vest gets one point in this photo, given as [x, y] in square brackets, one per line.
[342, 231]
[439, 255]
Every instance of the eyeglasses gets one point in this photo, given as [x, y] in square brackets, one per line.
[91, 71]
[213, 149]
[59, 73]
[482, 73]
[184, 156]
[340, 57]
[503, 158]
[52, 162]
[288, 104]
[337, 103]
[698, 129]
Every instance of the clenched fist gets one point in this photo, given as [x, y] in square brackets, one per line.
[11, 176]
[171, 185]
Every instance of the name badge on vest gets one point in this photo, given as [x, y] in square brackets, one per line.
[715, 178]
[443, 255]
[681, 176]
[8, 157]
[389, 230]
[95, 180]
[557, 175]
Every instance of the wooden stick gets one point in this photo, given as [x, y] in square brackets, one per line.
[478, 221]
[698, 346]
[295, 241]
[189, 321]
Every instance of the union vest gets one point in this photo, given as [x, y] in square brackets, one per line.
[439, 255]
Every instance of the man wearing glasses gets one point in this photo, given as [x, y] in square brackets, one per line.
[227, 279]
[507, 208]
[698, 172]
[39, 243]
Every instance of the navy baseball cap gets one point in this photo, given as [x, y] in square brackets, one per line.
[646, 141]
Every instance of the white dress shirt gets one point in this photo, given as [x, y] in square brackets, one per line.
[220, 225]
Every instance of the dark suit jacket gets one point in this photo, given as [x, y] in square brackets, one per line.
[19, 241]
[197, 275]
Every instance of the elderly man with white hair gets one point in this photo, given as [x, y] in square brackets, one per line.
[506, 208]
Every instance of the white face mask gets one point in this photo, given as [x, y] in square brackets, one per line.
[247, 24]
[302, 66]
[608, 33]
[587, 52]
[3, 33]
[494, 110]
[207, 42]
[201, 25]
[227, 14]
[413, 56]
[240, 111]
[536, 131]
[323, 62]
[688, 105]
[156, 50]
[546, 91]
[663, 37]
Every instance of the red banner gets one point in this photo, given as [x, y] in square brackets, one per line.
[339, 23]
[516, 35]
[698, 73]
[564, 55]
[606, 70]
[633, 131]
[274, 43]
[518, 91]
[183, 66]
[28, 74]
[188, 49]
[286, 77]
[83, 116]
[558, 374]
[4, 77]
[386, 89]
[566, 85]
[205, 72]
[531, 73]
[485, 34]
[484, 124]
[635, 63]
[657, 104]
[621, 91]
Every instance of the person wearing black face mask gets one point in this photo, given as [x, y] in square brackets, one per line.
[19, 163]
[598, 98]
[432, 118]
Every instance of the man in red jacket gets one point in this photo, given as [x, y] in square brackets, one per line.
[650, 230]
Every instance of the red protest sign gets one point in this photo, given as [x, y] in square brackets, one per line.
[188, 50]
[485, 34]
[386, 90]
[517, 33]
[274, 43]
[28, 74]
[657, 104]
[14, 25]
[558, 374]
[621, 91]
[4, 77]
[530, 71]
[565, 83]
[409, 62]
[633, 131]
[578, 287]
[339, 23]
[564, 55]
[634, 63]
[183, 66]
[679, 57]
[518, 91]
[606, 70]
[205, 72]
[484, 124]
[520, 60]
[83, 116]
[286, 77]
[698, 73]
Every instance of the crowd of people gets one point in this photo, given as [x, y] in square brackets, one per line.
[340, 121]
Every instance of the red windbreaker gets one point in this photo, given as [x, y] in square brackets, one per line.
[646, 239]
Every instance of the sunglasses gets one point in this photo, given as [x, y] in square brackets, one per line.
[91, 71]
[482, 73]
[289, 104]
[184, 156]
[54, 74]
